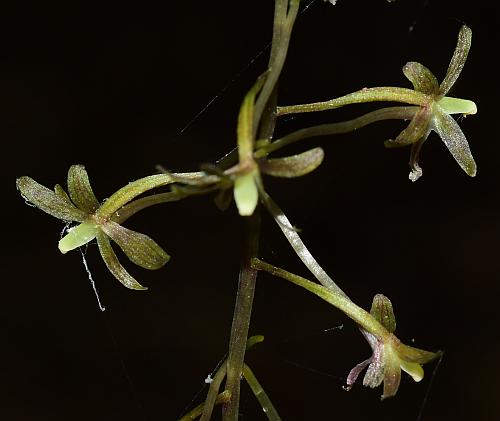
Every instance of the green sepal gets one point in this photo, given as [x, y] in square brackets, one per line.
[421, 78]
[416, 130]
[78, 236]
[382, 311]
[113, 264]
[392, 373]
[454, 139]
[49, 201]
[458, 60]
[139, 248]
[293, 166]
[245, 121]
[79, 189]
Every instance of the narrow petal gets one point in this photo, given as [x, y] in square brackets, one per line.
[375, 373]
[139, 248]
[451, 134]
[223, 199]
[78, 236]
[245, 127]
[79, 189]
[383, 312]
[48, 201]
[295, 165]
[356, 371]
[114, 266]
[421, 77]
[418, 127]
[458, 60]
[417, 355]
[61, 192]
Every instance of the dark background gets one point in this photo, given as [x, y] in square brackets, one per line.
[112, 86]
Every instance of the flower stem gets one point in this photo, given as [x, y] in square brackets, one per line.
[213, 393]
[386, 93]
[360, 316]
[282, 31]
[124, 213]
[260, 394]
[390, 113]
[196, 412]
[241, 317]
[298, 245]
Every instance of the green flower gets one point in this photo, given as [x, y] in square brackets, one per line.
[390, 355]
[433, 114]
[101, 222]
[246, 174]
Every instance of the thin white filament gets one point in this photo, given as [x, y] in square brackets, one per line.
[89, 274]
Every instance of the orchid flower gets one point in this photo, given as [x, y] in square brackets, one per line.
[434, 113]
[390, 355]
[99, 221]
[430, 109]
[247, 173]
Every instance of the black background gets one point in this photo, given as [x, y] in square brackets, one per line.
[112, 86]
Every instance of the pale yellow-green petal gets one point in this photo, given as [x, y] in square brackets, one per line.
[78, 236]
[451, 105]
[415, 370]
[246, 194]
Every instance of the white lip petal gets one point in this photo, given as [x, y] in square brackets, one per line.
[78, 236]
[451, 105]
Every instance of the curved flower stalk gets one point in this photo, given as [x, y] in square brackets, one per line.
[390, 355]
[99, 221]
[431, 112]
